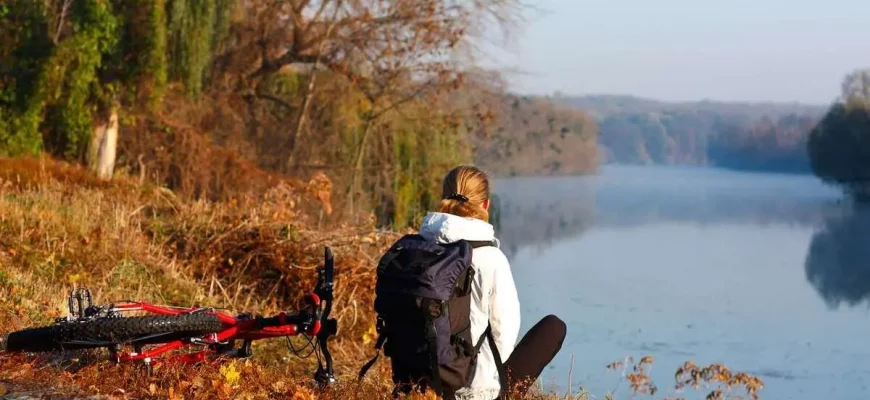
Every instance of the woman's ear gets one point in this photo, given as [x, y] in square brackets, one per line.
[486, 204]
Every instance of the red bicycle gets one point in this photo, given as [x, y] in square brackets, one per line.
[172, 328]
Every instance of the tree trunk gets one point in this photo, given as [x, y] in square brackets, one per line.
[104, 144]
[296, 140]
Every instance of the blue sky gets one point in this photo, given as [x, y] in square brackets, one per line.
[732, 50]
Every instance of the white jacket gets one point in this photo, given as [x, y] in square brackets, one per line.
[494, 296]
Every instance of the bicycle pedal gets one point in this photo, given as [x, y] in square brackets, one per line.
[79, 301]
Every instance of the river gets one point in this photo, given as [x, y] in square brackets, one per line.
[768, 274]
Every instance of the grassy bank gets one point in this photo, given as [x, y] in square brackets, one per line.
[60, 228]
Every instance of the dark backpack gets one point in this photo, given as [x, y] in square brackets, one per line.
[423, 304]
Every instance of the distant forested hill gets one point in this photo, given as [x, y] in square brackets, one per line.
[636, 130]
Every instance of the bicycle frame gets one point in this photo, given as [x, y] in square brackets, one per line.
[235, 328]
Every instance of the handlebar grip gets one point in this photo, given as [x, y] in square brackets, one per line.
[284, 319]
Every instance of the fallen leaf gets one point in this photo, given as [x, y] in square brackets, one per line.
[279, 386]
[302, 393]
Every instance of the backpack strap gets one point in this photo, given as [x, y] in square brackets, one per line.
[499, 365]
[382, 338]
[431, 337]
[365, 368]
[480, 243]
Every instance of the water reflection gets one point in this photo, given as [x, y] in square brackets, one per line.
[539, 212]
[838, 260]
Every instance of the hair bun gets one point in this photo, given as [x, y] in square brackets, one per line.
[457, 197]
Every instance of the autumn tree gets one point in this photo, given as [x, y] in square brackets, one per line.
[389, 57]
[856, 87]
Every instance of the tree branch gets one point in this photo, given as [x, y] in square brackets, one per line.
[309, 92]
[63, 11]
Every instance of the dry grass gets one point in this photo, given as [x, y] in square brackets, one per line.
[60, 228]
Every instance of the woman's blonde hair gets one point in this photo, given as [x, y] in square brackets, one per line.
[464, 193]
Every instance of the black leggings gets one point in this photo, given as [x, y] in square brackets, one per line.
[534, 351]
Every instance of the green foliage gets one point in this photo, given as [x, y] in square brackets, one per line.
[155, 61]
[141, 61]
[839, 149]
[196, 28]
[55, 86]
[55, 81]
[95, 34]
[24, 47]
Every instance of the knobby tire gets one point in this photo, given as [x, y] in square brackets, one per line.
[105, 331]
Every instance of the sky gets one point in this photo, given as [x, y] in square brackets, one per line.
[687, 50]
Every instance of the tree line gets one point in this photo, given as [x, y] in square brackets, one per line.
[735, 135]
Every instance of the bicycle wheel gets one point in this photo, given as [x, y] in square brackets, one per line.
[105, 332]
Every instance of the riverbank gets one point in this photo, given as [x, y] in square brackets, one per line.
[61, 228]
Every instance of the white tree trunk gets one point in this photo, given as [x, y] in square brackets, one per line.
[104, 146]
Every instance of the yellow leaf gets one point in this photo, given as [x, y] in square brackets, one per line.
[370, 336]
[3, 390]
[74, 278]
[230, 374]
[152, 388]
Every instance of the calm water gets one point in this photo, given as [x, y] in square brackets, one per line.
[765, 273]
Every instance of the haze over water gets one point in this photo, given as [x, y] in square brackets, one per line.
[767, 274]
